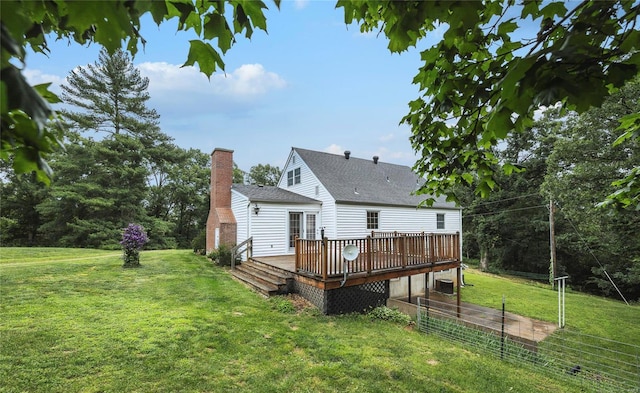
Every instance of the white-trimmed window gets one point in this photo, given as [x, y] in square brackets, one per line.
[440, 221]
[293, 177]
[373, 221]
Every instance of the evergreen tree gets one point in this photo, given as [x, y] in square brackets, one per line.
[97, 191]
[19, 196]
[110, 96]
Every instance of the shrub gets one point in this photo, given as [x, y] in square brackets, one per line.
[390, 314]
[199, 243]
[222, 256]
[133, 239]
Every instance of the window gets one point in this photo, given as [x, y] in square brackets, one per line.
[295, 227]
[440, 220]
[372, 220]
[293, 177]
[311, 227]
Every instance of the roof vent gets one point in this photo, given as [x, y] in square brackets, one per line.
[347, 153]
[375, 159]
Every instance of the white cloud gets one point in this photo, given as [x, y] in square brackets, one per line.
[177, 91]
[250, 80]
[334, 149]
[247, 82]
[36, 77]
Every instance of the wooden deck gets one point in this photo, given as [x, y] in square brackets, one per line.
[381, 257]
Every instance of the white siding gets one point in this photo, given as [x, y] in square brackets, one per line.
[307, 187]
[239, 207]
[352, 220]
[270, 228]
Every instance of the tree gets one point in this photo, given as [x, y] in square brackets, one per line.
[266, 175]
[484, 79]
[580, 170]
[238, 174]
[26, 133]
[509, 230]
[109, 96]
[98, 190]
[19, 197]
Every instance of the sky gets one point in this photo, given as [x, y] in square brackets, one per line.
[310, 82]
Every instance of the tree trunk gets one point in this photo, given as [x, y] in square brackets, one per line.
[484, 259]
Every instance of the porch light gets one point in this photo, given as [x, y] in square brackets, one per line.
[256, 208]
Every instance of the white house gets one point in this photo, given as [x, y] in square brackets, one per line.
[335, 196]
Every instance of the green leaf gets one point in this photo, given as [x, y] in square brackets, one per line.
[631, 124]
[205, 55]
[253, 10]
[43, 90]
[507, 27]
[509, 84]
[216, 26]
[554, 9]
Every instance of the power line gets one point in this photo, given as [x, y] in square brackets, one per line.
[504, 211]
[596, 259]
[502, 200]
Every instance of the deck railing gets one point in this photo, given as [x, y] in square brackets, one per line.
[377, 253]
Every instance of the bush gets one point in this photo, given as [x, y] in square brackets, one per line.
[222, 256]
[133, 239]
[394, 315]
[199, 243]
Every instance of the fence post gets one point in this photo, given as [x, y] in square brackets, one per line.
[458, 279]
[502, 333]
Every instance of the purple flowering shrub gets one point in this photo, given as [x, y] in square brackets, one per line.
[133, 239]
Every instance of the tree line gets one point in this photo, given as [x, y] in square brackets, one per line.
[570, 160]
[117, 168]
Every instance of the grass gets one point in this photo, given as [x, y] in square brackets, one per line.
[585, 313]
[80, 322]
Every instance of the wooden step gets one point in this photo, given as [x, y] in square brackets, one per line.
[276, 270]
[264, 278]
[275, 275]
[260, 285]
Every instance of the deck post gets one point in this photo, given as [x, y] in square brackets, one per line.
[409, 289]
[298, 252]
[325, 258]
[369, 254]
[430, 256]
[403, 251]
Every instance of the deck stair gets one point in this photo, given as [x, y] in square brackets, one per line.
[265, 279]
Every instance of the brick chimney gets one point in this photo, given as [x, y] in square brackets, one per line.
[221, 223]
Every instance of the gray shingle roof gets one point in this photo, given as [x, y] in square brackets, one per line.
[271, 194]
[358, 180]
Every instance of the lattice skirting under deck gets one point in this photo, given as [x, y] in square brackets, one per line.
[357, 298]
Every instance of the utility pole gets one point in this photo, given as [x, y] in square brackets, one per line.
[552, 243]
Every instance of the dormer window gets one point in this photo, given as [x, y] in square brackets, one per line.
[293, 177]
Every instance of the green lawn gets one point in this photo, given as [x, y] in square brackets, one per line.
[79, 322]
[586, 314]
